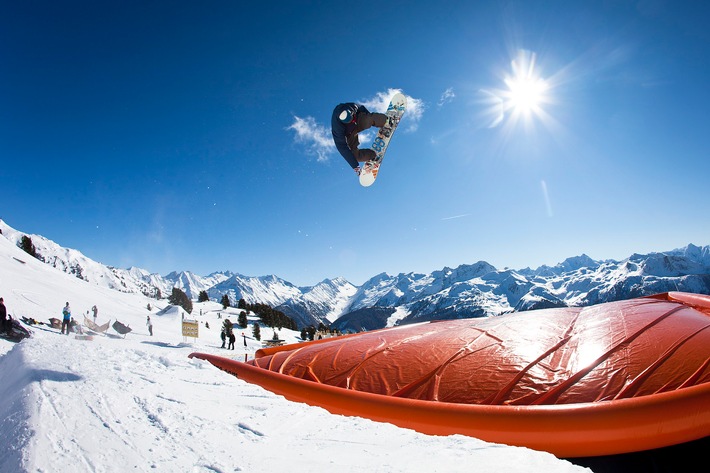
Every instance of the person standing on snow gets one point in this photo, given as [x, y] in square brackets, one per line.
[66, 320]
[95, 310]
[348, 120]
[227, 328]
[6, 324]
[150, 326]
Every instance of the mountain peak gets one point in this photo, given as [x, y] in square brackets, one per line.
[469, 290]
[574, 263]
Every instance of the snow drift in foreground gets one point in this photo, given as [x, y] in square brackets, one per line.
[139, 404]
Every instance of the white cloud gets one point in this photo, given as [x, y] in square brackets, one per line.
[447, 96]
[415, 107]
[317, 137]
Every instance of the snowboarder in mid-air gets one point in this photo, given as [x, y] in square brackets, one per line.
[347, 121]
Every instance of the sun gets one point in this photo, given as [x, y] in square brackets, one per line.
[526, 90]
[524, 95]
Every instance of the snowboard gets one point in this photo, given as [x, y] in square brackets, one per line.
[394, 113]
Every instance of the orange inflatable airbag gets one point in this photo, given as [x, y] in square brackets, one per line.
[613, 378]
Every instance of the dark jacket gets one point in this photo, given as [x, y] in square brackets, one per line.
[342, 131]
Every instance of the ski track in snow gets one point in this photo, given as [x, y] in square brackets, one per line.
[139, 404]
[121, 405]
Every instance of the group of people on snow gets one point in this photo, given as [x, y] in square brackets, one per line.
[68, 324]
[9, 328]
[228, 334]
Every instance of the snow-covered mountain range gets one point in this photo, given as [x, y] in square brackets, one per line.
[470, 290]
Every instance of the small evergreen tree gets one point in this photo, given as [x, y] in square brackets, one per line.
[304, 334]
[242, 304]
[271, 317]
[178, 297]
[242, 320]
[257, 332]
[203, 297]
[311, 332]
[225, 301]
[29, 247]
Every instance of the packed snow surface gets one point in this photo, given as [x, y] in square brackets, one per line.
[140, 404]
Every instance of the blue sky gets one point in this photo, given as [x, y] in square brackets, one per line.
[194, 135]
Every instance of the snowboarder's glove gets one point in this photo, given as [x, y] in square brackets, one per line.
[357, 170]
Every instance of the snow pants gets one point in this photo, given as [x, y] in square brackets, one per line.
[365, 120]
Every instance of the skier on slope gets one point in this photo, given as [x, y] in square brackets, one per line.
[347, 121]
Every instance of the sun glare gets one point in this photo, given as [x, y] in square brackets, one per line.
[526, 90]
[524, 95]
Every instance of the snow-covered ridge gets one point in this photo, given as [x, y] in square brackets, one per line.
[469, 290]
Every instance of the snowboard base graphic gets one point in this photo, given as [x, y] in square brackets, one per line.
[394, 113]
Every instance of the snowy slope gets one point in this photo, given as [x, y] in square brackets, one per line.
[139, 404]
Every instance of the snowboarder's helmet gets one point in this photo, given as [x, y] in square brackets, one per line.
[346, 116]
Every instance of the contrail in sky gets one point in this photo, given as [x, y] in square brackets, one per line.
[455, 216]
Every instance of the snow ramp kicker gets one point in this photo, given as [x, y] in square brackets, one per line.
[613, 378]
